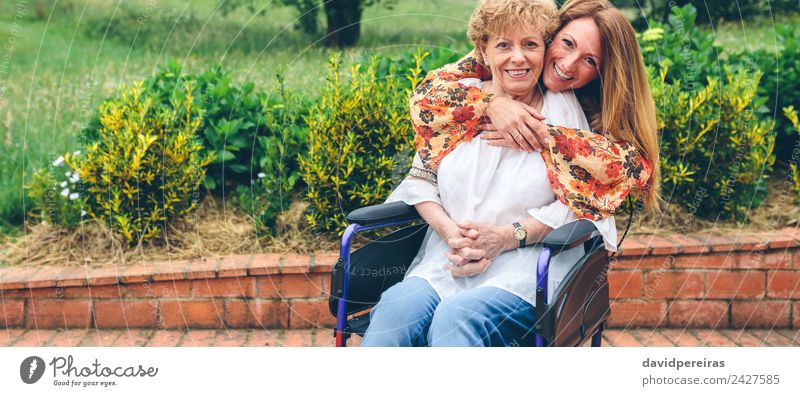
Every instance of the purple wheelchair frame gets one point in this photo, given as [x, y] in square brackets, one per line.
[543, 265]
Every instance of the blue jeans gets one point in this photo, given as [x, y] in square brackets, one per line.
[411, 314]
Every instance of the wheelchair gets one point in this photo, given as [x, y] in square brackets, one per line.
[579, 307]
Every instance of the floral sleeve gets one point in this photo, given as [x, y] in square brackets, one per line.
[591, 173]
[444, 112]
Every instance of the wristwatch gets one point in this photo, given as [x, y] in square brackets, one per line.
[520, 233]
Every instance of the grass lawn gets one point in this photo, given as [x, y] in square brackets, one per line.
[752, 35]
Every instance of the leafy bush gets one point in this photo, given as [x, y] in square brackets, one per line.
[232, 117]
[691, 56]
[360, 141]
[779, 84]
[794, 175]
[687, 53]
[147, 165]
[282, 142]
[713, 145]
[54, 193]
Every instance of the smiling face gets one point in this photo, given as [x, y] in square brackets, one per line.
[515, 59]
[574, 58]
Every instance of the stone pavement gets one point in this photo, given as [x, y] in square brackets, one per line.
[323, 337]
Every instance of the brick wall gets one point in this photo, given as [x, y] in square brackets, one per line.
[707, 282]
[675, 281]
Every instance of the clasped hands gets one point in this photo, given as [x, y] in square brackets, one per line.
[473, 246]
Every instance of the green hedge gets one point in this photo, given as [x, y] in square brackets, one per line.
[360, 141]
[143, 170]
[716, 155]
[279, 148]
[691, 56]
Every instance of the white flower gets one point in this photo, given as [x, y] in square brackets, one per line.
[76, 152]
[65, 192]
[59, 161]
[83, 213]
[261, 175]
[63, 184]
[74, 178]
[68, 174]
[73, 196]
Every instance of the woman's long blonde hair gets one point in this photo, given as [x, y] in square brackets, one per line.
[620, 101]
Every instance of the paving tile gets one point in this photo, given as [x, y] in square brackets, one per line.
[620, 338]
[133, 338]
[165, 338]
[793, 335]
[681, 337]
[231, 338]
[198, 338]
[264, 337]
[8, 336]
[771, 338]
[100, 338]
[67, 338]
[651, 337]
[742, 337]
[299, 338]
[34, 338]
[323, 337]
[712, 338]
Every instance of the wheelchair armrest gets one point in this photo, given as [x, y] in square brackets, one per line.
[383, 213]
[569, 235]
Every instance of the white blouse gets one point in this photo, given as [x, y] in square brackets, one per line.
[498, 186]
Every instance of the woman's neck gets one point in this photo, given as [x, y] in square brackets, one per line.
[531, 98]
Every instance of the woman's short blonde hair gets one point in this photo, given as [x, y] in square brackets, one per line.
[500, 16]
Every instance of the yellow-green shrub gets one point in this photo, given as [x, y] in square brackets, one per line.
[360, 141]
[146, 166]
[54, 194]
[716, 155]
[794, 176]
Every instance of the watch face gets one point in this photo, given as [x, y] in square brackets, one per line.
[519, 233]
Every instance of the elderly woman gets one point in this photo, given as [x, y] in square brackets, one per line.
[462, 294]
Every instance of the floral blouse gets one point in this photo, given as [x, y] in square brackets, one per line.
[589, 171]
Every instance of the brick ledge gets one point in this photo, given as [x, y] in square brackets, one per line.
[638, 246]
